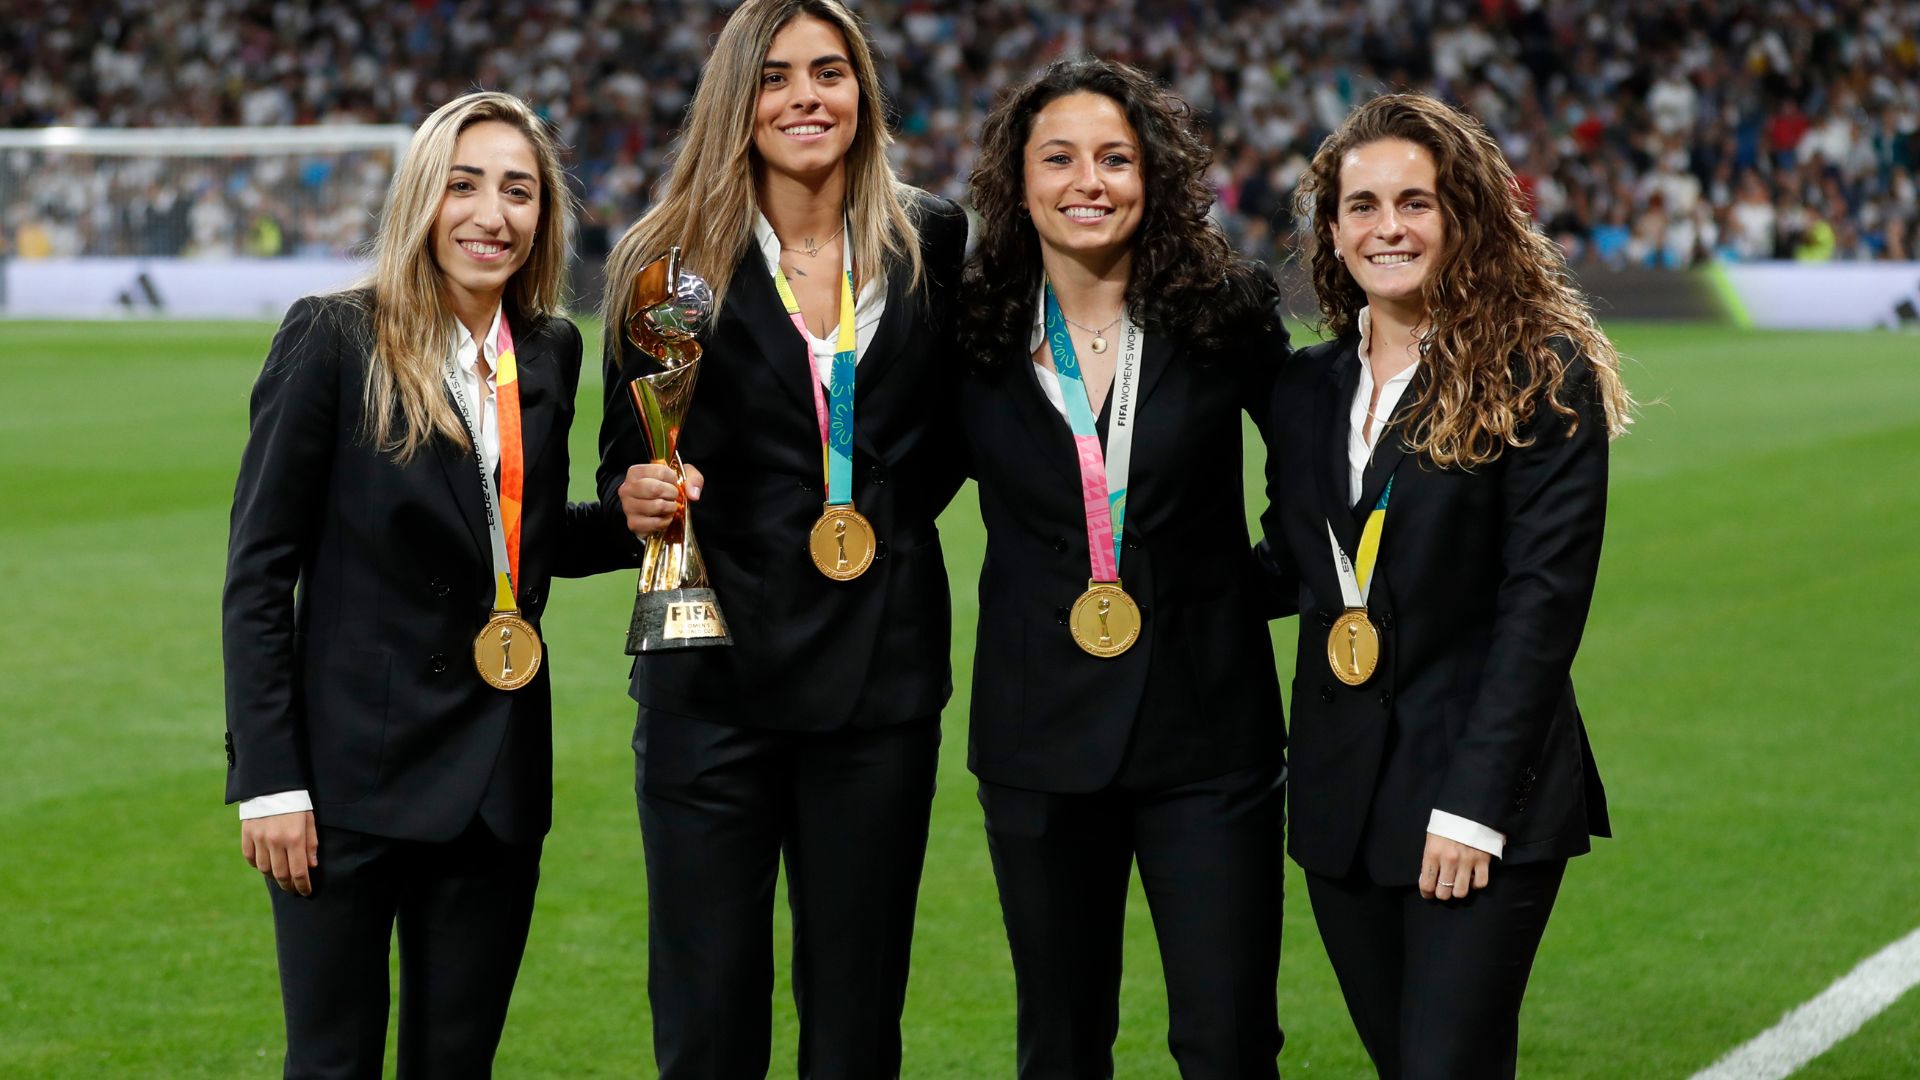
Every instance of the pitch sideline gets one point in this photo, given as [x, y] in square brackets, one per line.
[1818, 1024]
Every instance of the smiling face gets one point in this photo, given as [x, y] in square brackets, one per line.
[489, 214]
[1085, 182]
[1389, 230]
[809, 104]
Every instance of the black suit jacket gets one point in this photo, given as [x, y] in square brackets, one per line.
[1196, 695]
[809, 653]
[1481, 593]
[355, 587]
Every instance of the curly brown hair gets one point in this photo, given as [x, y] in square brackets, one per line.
[1497, 301]
[1185, 277]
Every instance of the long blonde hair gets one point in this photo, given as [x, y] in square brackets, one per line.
[413, 324]
[708, 202]
[1495, 302]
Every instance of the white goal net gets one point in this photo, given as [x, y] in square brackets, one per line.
[230, 216]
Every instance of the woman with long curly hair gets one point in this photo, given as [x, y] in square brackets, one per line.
[1439, 476]
[1124, 701]
[815, 736]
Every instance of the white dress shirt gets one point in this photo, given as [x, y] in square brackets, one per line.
[1360, 446]
[867, 307]
[481, 407]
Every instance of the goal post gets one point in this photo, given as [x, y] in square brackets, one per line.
[187, 221]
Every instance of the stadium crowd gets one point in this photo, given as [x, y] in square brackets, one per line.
[1645, 132]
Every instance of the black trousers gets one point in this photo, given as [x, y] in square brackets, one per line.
[1211, 865]
[462, 908]
[719, 805]
[1434, 987]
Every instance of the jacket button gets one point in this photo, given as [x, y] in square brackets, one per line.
[1133, 545]
[1386, 620]
[877, 474]
[806, 485]
[1326, 619]
[1060, 544]
[1060, 615]
[879, 550]
[438, 663]
[439, 586]
[1386, 699]
[1326, 693]
[532, 598]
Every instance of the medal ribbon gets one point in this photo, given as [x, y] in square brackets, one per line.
[836, 415]
[1103, 474]
[1355, 586]
[503, 528]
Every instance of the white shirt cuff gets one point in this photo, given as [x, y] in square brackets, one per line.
[1471, 833]
[284, 802]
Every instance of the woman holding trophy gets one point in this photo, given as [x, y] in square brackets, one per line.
[1124, 700]
[1441, 476]
[822, 461]
[400, 508]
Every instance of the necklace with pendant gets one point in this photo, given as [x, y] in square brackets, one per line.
[812, 251]
[1099, 336]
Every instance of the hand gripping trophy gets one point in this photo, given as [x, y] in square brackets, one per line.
[674, 607]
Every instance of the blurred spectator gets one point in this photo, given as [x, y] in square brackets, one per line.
[1642, 131]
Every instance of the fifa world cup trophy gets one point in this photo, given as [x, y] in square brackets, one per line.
[674, 606]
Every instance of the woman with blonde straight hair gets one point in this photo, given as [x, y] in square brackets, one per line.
[400, 508]
[816, 733]
[1438, 473]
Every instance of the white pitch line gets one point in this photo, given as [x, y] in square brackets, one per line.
[1837, 1012]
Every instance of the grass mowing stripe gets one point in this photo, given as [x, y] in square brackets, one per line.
[1838, 1011]
[1761, 523]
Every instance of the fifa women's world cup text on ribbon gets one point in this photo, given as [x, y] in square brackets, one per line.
[1353, 645]
[842, 542]
[1104, 621]
[507, 650]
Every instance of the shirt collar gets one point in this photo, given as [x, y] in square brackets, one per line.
[867, 307]
[768, 240]
[465, 352]
[1039, 335]
[1365, 323]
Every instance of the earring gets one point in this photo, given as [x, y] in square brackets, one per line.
[1339, 255]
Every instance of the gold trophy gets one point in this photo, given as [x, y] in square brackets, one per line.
[674, 606]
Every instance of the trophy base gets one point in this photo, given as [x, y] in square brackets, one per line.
[675, 619]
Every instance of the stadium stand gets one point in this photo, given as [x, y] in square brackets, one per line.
[1645, 133]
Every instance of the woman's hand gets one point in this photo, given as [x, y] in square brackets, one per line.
[650, 496]
[285, 847]
[1449, 869]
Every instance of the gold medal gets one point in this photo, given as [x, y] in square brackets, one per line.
[506, 652]
[1105, 621]
[1353, 647]
[842, 543]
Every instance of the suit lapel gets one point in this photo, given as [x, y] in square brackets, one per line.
[1156, 356]
[1330, 440]
[462, 471]
[533, 358]
[888, 338]
[1387, 455]
[752, 300]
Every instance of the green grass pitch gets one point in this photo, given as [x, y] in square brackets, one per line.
[1749, 677]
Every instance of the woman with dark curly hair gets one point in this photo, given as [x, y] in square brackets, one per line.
[1124, 699]
[1440, 478]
